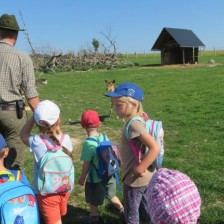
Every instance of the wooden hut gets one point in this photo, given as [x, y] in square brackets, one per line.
[178, 46]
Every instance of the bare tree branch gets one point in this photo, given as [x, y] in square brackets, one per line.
[111, 40]
[26, 33]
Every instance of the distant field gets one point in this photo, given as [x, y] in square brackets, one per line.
[154, 58]
[189, 101]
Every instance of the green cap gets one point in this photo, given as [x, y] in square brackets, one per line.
[9, 22]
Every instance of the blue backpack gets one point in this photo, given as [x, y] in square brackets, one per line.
[56, 172]
[155, 128]
[18, 204]
[109, 164]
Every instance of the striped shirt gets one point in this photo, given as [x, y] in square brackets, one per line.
[16, 71]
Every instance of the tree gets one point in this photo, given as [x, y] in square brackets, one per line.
[111, 40]
[95, 44]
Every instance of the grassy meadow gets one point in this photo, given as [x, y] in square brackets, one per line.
[187, 98]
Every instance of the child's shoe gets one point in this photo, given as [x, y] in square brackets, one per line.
[121, 214]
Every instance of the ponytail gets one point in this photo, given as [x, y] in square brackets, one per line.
[65, 150]
[46, 129]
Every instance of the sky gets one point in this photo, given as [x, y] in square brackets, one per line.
[134, 25]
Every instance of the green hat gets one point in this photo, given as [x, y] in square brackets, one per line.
[9, 22]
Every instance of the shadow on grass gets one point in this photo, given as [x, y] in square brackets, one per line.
[75, 214]
[151, 65]
[103, 117]
[73, 122]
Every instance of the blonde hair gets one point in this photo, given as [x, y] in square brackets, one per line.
[130, 101]
[46, 129]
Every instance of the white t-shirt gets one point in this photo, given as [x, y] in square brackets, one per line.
[38, 148]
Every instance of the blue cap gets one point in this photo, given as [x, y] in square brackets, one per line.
[3, 143]
[127, 89]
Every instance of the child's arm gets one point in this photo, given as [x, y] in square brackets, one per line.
[152, 154]
[26, 130]
[85, 168]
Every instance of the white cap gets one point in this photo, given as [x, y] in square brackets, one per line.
[46, 111]
[3, 143]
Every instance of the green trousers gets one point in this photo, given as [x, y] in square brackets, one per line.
[10, 127]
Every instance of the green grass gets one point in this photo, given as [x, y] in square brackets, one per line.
[189, 101]
[154, 58]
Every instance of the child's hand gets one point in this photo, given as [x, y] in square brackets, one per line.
[136, 171]
[81, 181]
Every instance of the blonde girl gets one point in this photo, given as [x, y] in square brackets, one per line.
[127, 100]
[46, 117]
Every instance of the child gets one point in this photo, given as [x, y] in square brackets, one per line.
[96, 189]
[46, 116]
[174, 198]
[5, 174]
[127, 99]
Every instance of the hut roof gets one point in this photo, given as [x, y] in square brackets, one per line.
[177, 37]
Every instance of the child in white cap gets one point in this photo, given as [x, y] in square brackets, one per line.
[6, 174]
[47, 118]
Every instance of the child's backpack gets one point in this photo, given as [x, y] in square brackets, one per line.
[155, 128]
[107, 153]
[18, 203]
[56, 172]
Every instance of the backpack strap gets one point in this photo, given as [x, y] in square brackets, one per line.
[117, 181]
[52, 148]
[20, 176]
[96, 140]
[152, 129]
[136, 151]
[137, 118]
[17, 174]
[93, 140]
[93, 165]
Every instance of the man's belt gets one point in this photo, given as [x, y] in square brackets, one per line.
[8, 107]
